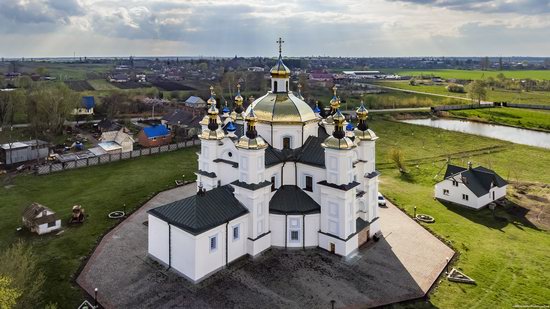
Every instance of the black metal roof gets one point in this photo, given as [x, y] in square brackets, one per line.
[311, 153]
[251, 186]
[344, 187]
[197, 214]
[479, 179]
[207, 174]
[292, 200]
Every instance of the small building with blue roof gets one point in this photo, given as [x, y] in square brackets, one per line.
[86, 106]
[154, 136]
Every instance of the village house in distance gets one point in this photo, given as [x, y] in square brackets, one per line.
[275, 175]
[470, 187]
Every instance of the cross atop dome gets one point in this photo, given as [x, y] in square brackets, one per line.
[280, 42]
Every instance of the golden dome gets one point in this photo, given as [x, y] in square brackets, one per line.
[280, 70]
[335, 101]
[251, 143]
[367, 135]
[338, 143]
[281, 108]
[362, 112]
[212, 134]
[238, 98]
[211, 100]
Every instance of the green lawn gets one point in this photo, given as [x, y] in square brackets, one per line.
[473, 74]
[527, 118]
[508, 259]
[99, 190]
[496, 95]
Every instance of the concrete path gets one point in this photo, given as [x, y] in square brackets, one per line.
[402, 266]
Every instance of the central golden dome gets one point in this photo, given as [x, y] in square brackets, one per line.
[280, 70]
[282, 107]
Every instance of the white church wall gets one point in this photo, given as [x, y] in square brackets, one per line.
[208, 260]
[312, 230]
[157, 240]
[294, 132]
[183, 250]
[311, 129]
[264, 130]
[237, 247]
[227, 174]
[317, 173]
[289, 173]
[259, 245]
[278, 233]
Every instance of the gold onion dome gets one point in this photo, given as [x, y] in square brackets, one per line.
[213, 131]
[251, 140]
[282, 107]
[239, 98]
[335, 101]
[280, 70]
[237, 113]
[338, 139]
[211, 100]
[362, 131]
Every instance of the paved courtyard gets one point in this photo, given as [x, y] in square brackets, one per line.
[402, 266]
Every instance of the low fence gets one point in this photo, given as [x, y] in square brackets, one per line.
[459, 107]
[529, 106]
[84, 162]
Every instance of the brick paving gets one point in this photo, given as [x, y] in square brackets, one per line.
[402, 266]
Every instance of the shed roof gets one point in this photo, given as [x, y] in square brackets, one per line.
[197, 214]
[34, 210]
[194, 100]
[88, 102]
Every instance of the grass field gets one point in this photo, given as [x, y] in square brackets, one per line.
[101, 84]
[99, 190]
[508, 259]
[525, 118]
[497, 95]
[472, 74]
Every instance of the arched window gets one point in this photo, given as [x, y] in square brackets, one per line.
[286, 142]
[275, 86]
[287, 85]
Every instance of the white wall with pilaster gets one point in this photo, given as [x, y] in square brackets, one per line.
[251, 165]
[317, 174]
[339, 169]
[278, 234]
[312, 230]
[338, 211]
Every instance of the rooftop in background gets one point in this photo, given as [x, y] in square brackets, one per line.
[156, 131]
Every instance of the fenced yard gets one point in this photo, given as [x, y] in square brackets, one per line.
[91, 161]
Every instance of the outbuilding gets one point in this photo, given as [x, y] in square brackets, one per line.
[470, 187]
[19, 152]
[40, 219]
[154, 136]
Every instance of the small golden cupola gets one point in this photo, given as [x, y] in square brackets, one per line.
[251, 140]
[213, 131]
[237, 114]
[211, 101]
[338, 139]
[362, 131]
[335, 101]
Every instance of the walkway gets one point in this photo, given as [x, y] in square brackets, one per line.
[402, 266]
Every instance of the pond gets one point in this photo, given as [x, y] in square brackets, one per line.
[510, 134]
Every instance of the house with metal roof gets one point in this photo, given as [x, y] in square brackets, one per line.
[86, 106]
[470, 187]
[154, 136]
[273, 174]
[19, 152]
[40, 219]
[195, 102]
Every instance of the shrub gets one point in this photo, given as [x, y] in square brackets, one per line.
[456, 88]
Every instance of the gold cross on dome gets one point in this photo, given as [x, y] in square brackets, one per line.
[280, 42]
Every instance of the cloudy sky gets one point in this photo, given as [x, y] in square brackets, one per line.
[35, 28]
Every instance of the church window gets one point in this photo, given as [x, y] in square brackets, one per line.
[309, 184]
[213, 243]
[273, 185]
[287, 86]
[294, 236]
[286, 142]
[230, 154]
[236, 232]
[275, 88]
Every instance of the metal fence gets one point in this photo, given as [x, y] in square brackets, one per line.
[529, 106]
[58, 167]
[459, 107]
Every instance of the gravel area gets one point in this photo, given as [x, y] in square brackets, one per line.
[402, 266]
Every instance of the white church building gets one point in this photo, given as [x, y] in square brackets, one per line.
[275, 175]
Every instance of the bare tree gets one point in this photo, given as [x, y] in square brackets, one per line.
[477, 91]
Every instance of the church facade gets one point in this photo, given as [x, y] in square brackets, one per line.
[274, 175]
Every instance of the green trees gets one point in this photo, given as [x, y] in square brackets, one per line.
[477, 90]
[456, 88]
[21, 279]
[48, 106]
[10, 101]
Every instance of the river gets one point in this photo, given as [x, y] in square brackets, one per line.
[510, 134]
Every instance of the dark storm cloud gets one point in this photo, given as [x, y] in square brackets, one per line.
[532, 7]
[36, 16]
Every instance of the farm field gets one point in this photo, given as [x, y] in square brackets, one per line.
[526, 118]
[472, 74]
[101, 84]
[531, 97]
